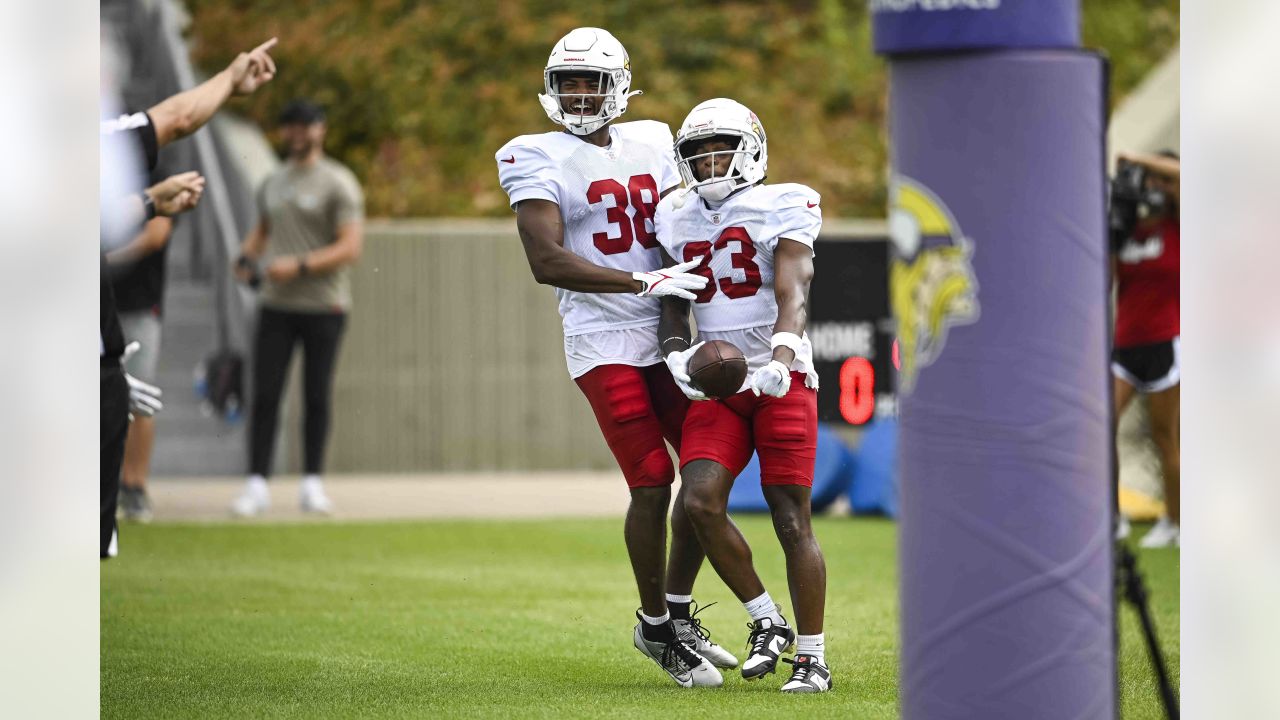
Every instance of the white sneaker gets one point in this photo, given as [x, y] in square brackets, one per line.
[692, 632]
[678, 659]
[254, 500]
[313, 500]
[1122, 526]
[1164, 533]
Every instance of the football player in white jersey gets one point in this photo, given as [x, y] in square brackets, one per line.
[755, 242]
[584, 199]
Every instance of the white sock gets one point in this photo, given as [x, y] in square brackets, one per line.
[258, 484]
[686, 599]
[660, 620]
[814, 645]
[764, 607]
[311, 482]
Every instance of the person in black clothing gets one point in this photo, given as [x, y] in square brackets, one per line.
[138, 283]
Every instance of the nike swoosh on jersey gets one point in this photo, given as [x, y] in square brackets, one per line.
[811, 204]
[511, 159]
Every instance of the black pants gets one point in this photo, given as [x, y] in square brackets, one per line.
[113, 427]
[278, 332]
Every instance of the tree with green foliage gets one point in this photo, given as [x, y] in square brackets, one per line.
[421, 94]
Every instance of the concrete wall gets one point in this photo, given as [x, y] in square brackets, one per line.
[453, 360]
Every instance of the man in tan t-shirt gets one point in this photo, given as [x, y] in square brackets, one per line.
[309, 233]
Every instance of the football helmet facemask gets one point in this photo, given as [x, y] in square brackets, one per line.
[588, 51]
[732, 119]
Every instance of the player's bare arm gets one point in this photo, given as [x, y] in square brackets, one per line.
[542, 233]
[673, 319]
[793, 271]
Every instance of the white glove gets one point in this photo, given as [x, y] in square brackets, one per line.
[773, 379]
[144, 399]
[675, 281]
[678, 363]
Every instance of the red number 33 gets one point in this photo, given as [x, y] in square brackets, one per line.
[637, 226]
[741, 259]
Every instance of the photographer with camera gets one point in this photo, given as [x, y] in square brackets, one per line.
[1146, 357]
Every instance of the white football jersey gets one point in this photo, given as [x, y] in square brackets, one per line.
[607, 198]
[739, 239]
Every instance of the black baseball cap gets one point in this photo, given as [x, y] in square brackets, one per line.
[301, 112]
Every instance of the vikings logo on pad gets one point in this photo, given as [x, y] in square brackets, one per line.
[932, 286]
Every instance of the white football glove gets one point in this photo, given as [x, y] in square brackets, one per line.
[144, 399]
[678, 363]
[773, 379]
[675, 281]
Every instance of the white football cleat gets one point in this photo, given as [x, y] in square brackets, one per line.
[1164, 533]
[678, 659]
[767, 642]
[692, 632]
[254, 500]
[810, 675]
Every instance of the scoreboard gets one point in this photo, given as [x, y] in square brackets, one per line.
[851, 326]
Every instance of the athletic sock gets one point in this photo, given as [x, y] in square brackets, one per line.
[656, 629]
[678, 606]
[258, 483]
[311, 482]
[814, 645]
[764, 607]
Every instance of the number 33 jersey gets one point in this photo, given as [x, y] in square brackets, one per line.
[738, 241]
[607, 198]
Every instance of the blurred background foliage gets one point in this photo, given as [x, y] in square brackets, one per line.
[422, 94]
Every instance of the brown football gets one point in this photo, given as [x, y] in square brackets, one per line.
[718, 369]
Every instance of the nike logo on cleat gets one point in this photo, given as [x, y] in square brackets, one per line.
[512, 159]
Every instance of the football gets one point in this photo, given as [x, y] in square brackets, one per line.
[718, 369]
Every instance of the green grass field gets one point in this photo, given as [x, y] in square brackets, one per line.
[482, 619]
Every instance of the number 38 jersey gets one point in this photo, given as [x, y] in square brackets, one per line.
[607, 197]
[738, 241]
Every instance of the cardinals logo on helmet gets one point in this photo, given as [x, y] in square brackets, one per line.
[932, 286]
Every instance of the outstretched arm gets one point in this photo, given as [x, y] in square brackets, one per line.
[542, 232]
[180, 115]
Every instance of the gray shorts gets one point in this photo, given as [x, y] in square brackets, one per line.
[143, 326]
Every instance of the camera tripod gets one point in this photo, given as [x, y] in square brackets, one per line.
[1134, 590]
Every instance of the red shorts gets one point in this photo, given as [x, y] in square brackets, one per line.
[783, 431]
[636, 408]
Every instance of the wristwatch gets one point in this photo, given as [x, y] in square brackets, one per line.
[148, 207]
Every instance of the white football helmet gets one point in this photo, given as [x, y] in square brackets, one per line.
[722, 116]
[587, 50]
